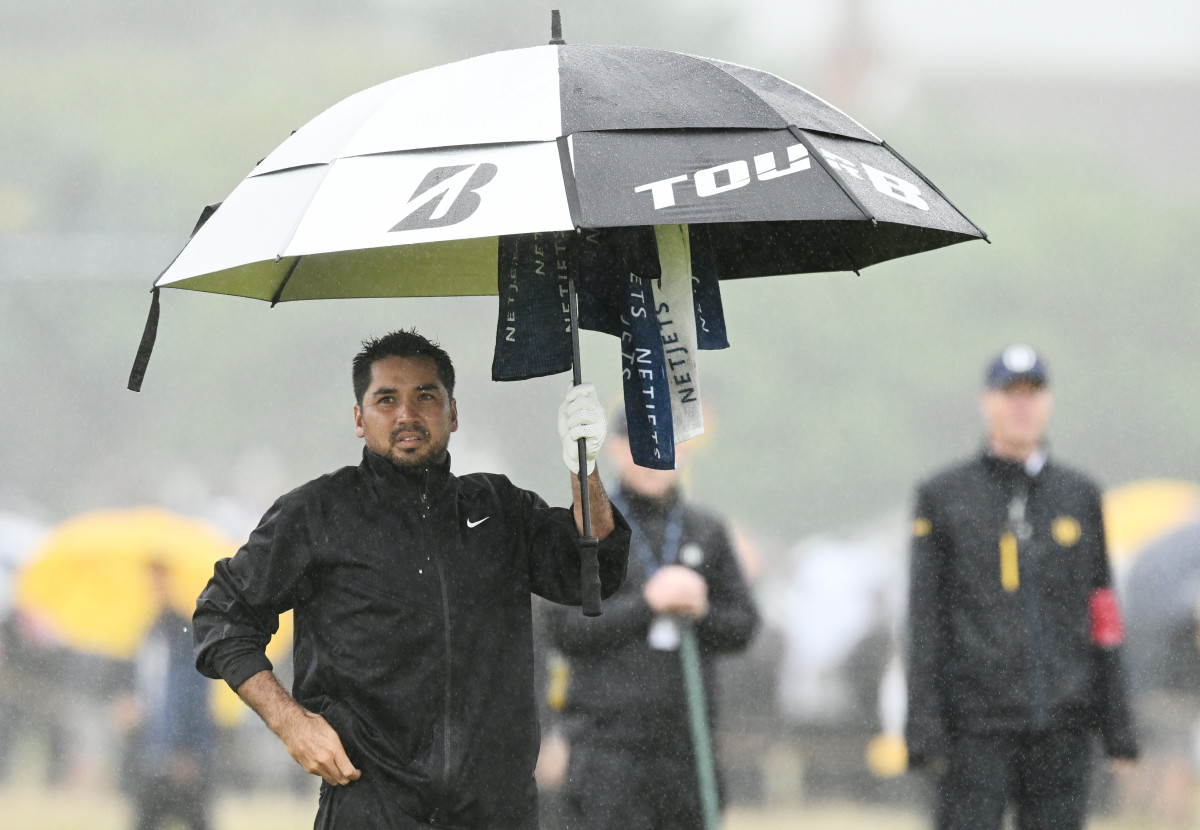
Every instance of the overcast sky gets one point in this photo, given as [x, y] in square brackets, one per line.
[1150, 38]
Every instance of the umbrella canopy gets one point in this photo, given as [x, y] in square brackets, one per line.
[1137, 513]
[407, 188]
[90, 579]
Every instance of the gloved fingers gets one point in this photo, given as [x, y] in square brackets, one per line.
[584, 429]
[578, 398]
[582, 408]
[581, 416]
[588, 426]
[582, 390]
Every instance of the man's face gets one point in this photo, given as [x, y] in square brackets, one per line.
[406, 413]
[1018, 414]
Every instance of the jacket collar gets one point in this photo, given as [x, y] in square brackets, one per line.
[383, 472]
[1032, 467]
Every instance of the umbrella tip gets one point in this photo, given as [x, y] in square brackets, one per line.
[556, 38]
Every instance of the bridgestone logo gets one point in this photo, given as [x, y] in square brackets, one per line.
[446, 196]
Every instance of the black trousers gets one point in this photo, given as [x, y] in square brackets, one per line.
[610, 788]
[1043, 774]
[372, 803]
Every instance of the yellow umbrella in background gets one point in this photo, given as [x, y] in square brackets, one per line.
[1137, 513]
[90, 578]
[89, 581]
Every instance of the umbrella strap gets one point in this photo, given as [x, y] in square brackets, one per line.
[569, 184]
[142, 358]
[149, 334]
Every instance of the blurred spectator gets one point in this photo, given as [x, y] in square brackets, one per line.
[1014, 627]
[170, 749]
[632, 762]
[32, 669]
[1162, 590]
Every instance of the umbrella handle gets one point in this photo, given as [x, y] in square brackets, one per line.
[589, 562]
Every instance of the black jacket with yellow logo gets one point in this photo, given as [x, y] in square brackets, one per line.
[1012, 621]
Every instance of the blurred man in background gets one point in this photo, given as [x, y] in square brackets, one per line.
[413, 692]
[171, 738]
[1014, 628]
[632, 762]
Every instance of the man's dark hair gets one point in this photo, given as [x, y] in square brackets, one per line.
[407, 344]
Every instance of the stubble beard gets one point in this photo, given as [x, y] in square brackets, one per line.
[422, 458]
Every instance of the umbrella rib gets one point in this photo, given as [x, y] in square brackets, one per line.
[569, 184]
[935, 189]
[754, 92]
[283, 283]
[821, 160]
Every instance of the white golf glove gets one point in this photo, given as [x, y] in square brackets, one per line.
[581, 416]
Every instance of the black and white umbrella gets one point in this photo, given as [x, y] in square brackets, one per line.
[641, 175]
[406, 188]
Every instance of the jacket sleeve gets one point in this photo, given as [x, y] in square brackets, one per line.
[237, 613]
[553, 552]
[732, 616]
[925, 730]
[1115, 716]
[625, 618]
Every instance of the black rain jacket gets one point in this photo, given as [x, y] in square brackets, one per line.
[621, 692]
[985, 657]
[412, 632]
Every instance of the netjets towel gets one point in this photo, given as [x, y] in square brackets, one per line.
[662, 313]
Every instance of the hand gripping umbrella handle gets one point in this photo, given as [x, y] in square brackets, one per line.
[589, 562]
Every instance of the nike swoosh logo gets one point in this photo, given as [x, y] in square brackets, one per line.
[478, 523]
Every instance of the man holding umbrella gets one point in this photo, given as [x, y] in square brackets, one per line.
[413, 694]
[635, 760]
[1014, 627]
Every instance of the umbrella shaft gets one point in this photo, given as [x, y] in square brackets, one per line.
[577, 372]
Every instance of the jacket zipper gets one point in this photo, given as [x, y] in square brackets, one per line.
[435, 817]
[1023, 530]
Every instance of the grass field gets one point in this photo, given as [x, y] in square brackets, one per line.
[24, 807]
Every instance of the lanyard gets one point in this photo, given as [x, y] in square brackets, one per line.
[640, 543]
